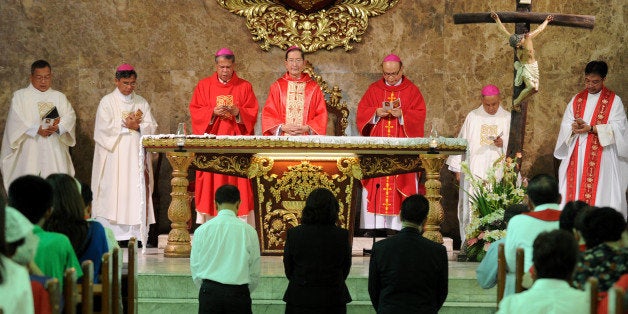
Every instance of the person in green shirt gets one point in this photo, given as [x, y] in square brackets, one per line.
[32, 196]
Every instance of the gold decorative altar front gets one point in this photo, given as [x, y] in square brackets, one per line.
[284, 170]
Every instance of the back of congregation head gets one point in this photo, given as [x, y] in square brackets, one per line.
[67, 200]
[568, 215]
[227, 194]
[554, 254]
[600, 224]
[321, 208]
[596, 67]
[414, 209]
[514, 210]
[543, 189]
[32, 196]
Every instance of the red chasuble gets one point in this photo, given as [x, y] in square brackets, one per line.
[208, 93]
[393, 189]
[295, 102]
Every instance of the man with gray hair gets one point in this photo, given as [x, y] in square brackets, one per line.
[222, 104]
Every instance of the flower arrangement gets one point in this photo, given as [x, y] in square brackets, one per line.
[488, 199]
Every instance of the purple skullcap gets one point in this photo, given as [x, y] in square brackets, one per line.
[294, 48]
[125, 67]
[392, 57]
[490, 90]
[224, 52]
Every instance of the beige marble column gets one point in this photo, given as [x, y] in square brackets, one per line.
[432, 164]
[179, 209]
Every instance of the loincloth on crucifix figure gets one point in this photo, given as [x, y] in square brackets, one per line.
[526, 64]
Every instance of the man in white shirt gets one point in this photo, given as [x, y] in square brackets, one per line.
[486, 130]
[543, 198]
[225, 258]
[593, 144]
[555, 254]
[39, 130]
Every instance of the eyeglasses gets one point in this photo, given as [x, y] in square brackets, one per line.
[42, 78]
[392, 73]
[129, 84]
[588, 82]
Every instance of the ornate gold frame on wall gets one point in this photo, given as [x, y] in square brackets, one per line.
[275, 24]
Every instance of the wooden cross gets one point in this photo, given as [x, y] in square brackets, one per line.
[522, 19]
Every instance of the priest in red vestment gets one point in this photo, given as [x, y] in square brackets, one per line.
[295, 105]
[222, 104]
[391, 107]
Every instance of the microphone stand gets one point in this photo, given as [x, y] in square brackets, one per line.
[367, 251]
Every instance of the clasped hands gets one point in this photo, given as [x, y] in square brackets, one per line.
[383, 113]
[51, 128]
[580, 127]
[226, 111]
[295, 129]
[132, 123]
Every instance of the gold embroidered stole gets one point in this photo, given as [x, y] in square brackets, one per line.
[295, 103]
[593, 153]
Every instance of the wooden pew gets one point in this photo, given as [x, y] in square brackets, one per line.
[88, 289]
[519, 271]
[52, 286]
[116, 287]
[592, 290]
[131, 278]
[70, 291]
[616, 300]
[501, 273]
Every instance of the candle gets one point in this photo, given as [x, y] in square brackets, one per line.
[433, 143]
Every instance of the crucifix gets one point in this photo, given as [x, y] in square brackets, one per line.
[522, 19]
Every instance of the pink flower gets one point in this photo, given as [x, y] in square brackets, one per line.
[486, 246]
[519, 155]
[471, 242]
[481, 236]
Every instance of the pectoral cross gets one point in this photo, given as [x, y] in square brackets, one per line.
[392, 96]
[522, 19]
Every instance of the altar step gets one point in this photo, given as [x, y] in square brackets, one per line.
[167, 293]
[165, 285]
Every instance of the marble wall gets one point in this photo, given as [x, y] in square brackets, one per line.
[171, 44]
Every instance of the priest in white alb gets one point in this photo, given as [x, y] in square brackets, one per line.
[122, 201]
[593, 144]
[39, 129]
[486, 130]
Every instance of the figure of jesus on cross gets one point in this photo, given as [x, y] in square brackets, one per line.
[526, 65]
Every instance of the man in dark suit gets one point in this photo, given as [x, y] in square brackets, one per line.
[408, 273]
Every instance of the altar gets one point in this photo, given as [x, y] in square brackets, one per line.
[284, 170]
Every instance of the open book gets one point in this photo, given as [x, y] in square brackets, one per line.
[390, 105]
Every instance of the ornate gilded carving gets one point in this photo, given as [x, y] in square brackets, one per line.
[231, 164]
[259, 166]
[300, 180]
[283, 202]
[377, 165]
[334, 106]
[350, 166]
[275, 25]
[432, 164]
[179, 209]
